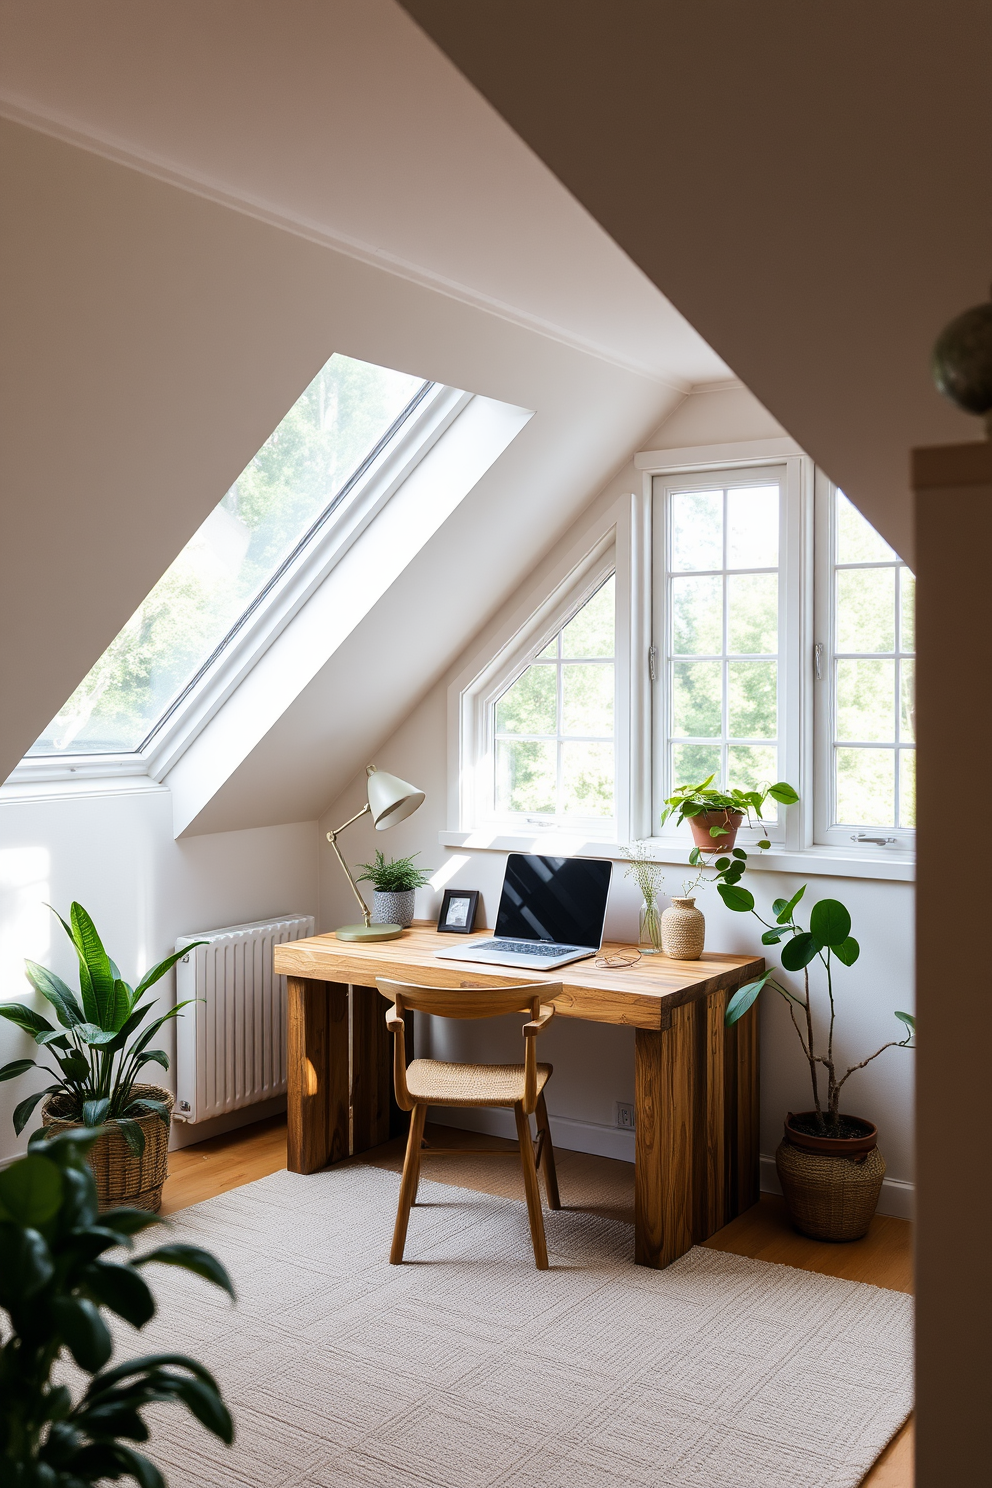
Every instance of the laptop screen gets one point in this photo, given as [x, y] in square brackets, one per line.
[557, 899]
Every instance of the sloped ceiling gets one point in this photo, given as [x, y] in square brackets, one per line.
[808, 183]
[201, 202]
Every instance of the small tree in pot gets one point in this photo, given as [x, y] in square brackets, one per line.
[100, 1049]
[829, 1164]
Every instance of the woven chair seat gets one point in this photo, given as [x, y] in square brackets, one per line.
[437, 1083]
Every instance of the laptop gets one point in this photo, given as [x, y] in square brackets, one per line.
[551, 911]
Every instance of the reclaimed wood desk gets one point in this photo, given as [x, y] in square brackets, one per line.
[696, 1082]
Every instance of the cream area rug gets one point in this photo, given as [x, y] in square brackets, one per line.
[468, 1368]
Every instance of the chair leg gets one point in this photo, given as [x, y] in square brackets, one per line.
[408, 1183]
[531, 1188]
[547, 1155]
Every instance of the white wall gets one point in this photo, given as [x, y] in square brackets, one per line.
[115, 854]
[594, 1062]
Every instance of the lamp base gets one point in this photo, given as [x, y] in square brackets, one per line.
[369, 932]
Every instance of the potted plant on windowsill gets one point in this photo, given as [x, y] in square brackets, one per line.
[828, 1162]
[99, 1051]
[715, 817]
[395, 884]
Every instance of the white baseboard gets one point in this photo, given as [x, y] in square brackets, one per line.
[575, 1136]
[897, 1197]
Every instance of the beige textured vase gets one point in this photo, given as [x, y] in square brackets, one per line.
[683, 930]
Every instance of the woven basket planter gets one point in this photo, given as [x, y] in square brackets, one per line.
[122, 1178]
[830, 1198]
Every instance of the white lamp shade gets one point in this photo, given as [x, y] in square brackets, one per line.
[392, 800]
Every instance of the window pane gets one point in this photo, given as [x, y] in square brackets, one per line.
[907, 724]
[857, 540]
[697, 617]
[587, 779]
[866, 787]
[551, 649]
[697, 530]
[292, 481]
[587, 699]
[752, 618]
[907, 787]
[866, 609]
[866, 700]
[752, 527]
[907, 587]
[698, 701]
[530, 706]
[694, 763]
[748, 768]
[752, 700]
[526, 774]
[592, 631]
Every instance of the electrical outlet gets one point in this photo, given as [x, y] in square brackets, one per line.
[625, 1116]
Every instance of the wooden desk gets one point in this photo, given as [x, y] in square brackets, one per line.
[696, 1082]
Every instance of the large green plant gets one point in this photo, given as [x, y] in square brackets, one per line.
[97, 1065]
[54, 1282]
[828, 940]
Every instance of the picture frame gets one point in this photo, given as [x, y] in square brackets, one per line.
[458, 910]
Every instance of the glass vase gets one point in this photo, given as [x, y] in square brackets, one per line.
[649, 927]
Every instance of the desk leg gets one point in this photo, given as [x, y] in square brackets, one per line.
[317, 1073]
[371, 1069]
[696, 1128]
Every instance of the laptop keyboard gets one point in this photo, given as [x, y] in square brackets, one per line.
[530, 947]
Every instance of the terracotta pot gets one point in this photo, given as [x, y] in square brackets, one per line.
[700, 828]
[122, 1178]
[830, 1184]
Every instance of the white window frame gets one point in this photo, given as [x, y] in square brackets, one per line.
[788, 476]
[828, 832]
[266, 620]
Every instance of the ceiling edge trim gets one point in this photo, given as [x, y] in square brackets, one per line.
[96, 143]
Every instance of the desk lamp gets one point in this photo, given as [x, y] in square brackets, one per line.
[391, 800]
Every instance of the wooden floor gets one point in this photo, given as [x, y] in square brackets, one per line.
[599, 1185]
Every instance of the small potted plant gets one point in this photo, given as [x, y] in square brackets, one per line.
[99, 1050]
[394, 884]
[82, 1426]
[715, 817]
[828, 1162]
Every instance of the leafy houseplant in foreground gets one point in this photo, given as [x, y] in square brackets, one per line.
[54, 1282]
[99, 1049]
[822, 1198]
[395, 883]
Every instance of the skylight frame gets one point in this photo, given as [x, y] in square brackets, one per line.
[424, 420]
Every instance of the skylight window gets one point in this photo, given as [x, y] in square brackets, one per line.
[299, 477]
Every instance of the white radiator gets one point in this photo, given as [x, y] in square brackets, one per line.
[231, 1042]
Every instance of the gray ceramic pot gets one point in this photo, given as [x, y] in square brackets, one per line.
[393, 909]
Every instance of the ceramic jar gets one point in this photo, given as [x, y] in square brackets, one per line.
[683, 930]
[393, 908]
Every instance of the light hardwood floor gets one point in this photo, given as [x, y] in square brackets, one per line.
[597, 1184]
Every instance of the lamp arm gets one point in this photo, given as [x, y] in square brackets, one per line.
[332, 838]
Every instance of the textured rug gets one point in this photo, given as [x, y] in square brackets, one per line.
[468, 1368]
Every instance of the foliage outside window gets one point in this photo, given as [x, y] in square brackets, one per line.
[873, 770]
[723, 630]
[554, 726]
[289, 489]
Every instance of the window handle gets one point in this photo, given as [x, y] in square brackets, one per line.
[819, 651]
[878, 841]
[653, 663]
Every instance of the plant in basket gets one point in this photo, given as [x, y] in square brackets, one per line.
[99, 1050]
[829, 1164]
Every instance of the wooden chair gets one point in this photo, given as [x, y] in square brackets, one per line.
[435, 1082]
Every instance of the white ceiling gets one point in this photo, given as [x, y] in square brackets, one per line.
[341, 120]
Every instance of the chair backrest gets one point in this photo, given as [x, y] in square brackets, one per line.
[469, 1002]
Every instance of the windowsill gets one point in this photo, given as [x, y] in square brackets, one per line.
[823, 862]
[65, 786]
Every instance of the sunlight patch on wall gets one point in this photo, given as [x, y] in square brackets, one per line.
[25, 920]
